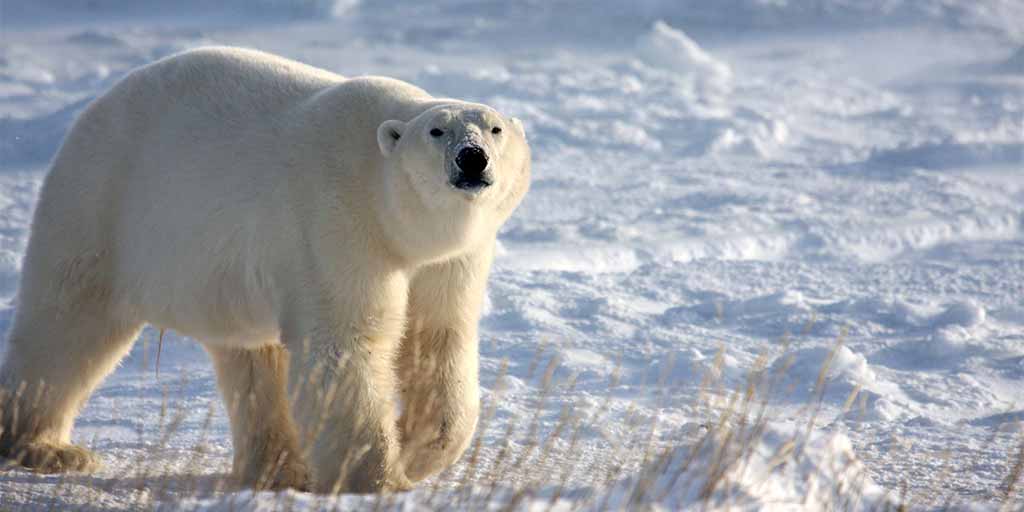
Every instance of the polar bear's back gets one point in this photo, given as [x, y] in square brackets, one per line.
[249, 63]
[229, 67]
[231, 83]
[240, 81]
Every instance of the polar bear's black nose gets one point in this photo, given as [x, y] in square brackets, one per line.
[472, 162]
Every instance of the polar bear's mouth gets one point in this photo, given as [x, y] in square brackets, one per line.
[472, 184]
[471, 169]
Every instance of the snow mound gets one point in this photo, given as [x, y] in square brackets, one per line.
[747, 246]
[965, 313]
[871, 408]
[781, 470]
[788, 301]
[947, 343]
[900, 314]
[951, 338]
[670, 48]
[839, 370]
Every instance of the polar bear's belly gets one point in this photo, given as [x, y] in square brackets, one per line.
[221, 325]
[222, 308]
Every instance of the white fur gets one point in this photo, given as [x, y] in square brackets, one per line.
[267, 209]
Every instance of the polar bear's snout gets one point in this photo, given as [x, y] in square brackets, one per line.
[472, 172]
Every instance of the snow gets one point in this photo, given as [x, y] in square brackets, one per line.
[827, 194]
[788, 470]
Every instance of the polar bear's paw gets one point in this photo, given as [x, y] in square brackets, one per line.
[397, 483]
[290, 475]
[49, 457]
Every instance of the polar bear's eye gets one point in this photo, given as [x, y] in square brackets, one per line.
[436, 132]
[496, 130]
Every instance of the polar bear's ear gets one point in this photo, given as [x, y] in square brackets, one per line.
[388, 135]
[519, 126]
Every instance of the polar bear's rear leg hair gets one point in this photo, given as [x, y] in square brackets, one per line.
[55, 358]
[254, 385]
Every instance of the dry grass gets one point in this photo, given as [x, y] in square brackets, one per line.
[538, 462]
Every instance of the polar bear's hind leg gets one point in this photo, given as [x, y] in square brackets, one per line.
[254, 385]
[55, 358]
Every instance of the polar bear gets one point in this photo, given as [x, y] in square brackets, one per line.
[326, 239]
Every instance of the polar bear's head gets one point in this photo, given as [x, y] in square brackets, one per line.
[466, 165]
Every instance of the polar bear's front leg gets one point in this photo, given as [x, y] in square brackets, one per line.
[343, 392]
[440, 390]
[439, 363]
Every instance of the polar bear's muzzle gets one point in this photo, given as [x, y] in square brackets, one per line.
[471, 170]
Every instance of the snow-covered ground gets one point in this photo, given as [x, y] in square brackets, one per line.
[718, 187]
